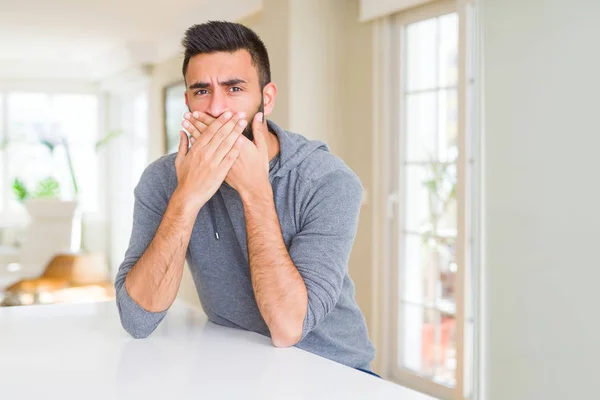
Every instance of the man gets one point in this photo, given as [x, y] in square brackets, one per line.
[265, 218]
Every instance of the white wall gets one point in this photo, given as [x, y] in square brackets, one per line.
[357, 95]
[317, 44]
[542, 193]
[306, 40]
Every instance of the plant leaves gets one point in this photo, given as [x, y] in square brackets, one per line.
[107, 139]
[47, 188]
[48, 144]
[20, 190]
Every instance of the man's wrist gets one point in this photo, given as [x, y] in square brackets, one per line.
[183, 206]
[259, 192]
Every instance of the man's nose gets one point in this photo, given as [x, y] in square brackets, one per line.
[218, 104]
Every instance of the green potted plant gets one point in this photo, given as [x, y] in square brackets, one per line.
[54, 219]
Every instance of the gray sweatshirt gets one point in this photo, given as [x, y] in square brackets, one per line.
[317, 198]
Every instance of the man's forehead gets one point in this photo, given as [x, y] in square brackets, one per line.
[221, 65]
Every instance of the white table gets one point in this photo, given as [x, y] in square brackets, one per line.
[80, 351]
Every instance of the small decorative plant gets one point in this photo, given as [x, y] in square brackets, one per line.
[46, 188]
[49, 187]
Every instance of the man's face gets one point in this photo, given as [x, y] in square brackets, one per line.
[222, 81]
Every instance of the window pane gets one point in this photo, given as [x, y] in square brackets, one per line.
[35, 118]
[78, 118]
[445, 350]
[86, 172]
[448, 50]
[429, 343]
[431, 198]
[430, 274]
[417, 267]
[447, 120]
[442, 194]
[414, 321]
[417, 198]
[26, 113]
[421, 57]
[421, 128]
[445, 255]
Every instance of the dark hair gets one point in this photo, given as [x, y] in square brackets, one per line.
[214, 36]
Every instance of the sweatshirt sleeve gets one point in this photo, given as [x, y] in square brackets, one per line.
[321, 250]
[149, 207]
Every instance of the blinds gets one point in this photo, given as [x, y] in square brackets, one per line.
[372, 9]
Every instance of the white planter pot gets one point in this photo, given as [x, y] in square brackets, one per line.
[41, 209]
[55, 227]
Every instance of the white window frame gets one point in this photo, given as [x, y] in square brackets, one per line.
[387, 210]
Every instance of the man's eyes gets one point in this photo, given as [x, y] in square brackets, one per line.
[232, 89]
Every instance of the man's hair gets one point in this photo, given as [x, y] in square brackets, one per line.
[214, 36]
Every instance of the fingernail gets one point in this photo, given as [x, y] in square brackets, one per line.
[196, 114]
[262, 117]
[227, 115]
[243, 122]
[186, 115]
[186, 124]
[241, 115]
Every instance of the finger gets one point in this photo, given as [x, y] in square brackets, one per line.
[183, 147]
[226, 145]
[232, 155]
[213, 128]
[238, 123]
[258, 129]
[203, 118]
[193, 126]
[192, 141]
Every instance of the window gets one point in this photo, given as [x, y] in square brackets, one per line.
[428, 174]
[29, 120]
[427, 182]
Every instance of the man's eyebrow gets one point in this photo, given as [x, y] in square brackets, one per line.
[233, 81]
[228, 82]
[199, 85]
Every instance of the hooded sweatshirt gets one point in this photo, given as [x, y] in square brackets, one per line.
[317, 199]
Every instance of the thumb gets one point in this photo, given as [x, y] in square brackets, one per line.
[258, 129]
[183, 147]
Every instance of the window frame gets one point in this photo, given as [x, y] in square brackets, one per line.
[388, 197]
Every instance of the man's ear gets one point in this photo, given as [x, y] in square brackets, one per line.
[269, 93]
[186, 100]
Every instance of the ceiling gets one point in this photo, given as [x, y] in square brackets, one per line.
[92, 39]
